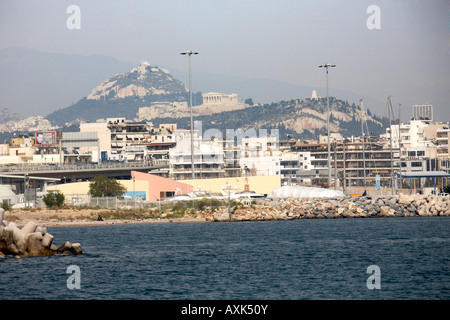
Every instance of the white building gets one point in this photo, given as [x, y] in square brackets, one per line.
[208, 157]
[261, 155]
[103, 133]
[420, 142]
[292, 165]
[414, 139]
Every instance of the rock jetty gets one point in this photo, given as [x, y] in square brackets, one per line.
[346, 207]
[30, 241]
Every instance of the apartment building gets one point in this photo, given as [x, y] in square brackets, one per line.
[350, 162]
[260, 155]
[208, 157]
[423, 144]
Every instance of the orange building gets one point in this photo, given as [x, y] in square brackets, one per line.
[159, 187]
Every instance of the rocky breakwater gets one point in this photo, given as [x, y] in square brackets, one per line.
[30, 241]
[347, 207]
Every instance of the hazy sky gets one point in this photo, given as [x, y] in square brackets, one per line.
[408, 57]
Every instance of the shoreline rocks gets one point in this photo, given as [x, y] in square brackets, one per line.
[31, 241]
[348, 207]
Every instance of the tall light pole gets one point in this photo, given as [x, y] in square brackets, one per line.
[189, 53]
[400, 150]
[326, 66]
[229, 188]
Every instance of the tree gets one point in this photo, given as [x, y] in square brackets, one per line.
[105, 187]
[54, 199]
[249, 101]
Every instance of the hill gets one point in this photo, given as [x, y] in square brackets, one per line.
[303, 119]
[122, 95]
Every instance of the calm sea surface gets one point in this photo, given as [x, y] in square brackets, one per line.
[300, 259]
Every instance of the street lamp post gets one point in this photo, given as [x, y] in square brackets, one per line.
[189, 53]
[326, 66]
[229, 197]
[400, 150]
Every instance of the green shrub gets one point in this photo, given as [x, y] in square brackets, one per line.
[54, 199]
[6, 205]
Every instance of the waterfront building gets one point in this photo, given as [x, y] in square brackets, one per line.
[347, 162]
[423, 145]
[300, 168]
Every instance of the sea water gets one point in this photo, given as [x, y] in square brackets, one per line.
[279, 260]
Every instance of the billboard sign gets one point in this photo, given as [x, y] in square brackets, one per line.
[45, 138]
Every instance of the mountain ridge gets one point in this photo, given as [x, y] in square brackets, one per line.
[123, 94]
[297, 118]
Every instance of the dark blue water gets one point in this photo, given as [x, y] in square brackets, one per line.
[301, 259]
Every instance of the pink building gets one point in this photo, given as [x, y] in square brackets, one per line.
[159, 187]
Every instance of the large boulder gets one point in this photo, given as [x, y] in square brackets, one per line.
[47, 240]
[20, 237]
[70, 248]
[35, 247]
[7, 246]
[386, 211]
[32, 241]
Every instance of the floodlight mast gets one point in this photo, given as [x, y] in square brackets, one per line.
[326, 66]
[189, 53]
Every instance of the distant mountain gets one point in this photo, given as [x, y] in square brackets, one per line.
[144, 81]
[37, 83]
[45, 82]
[7, 115]
[298, 118]
[123, 94]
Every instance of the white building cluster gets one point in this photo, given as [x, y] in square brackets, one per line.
[424, 145]
[420, 145]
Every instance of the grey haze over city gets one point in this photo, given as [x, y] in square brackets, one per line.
[261, 49]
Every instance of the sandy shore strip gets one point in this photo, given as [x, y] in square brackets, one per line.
[82, 217]
[260, 210]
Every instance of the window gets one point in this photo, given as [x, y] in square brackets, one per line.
[416, 164]
[420, 153]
